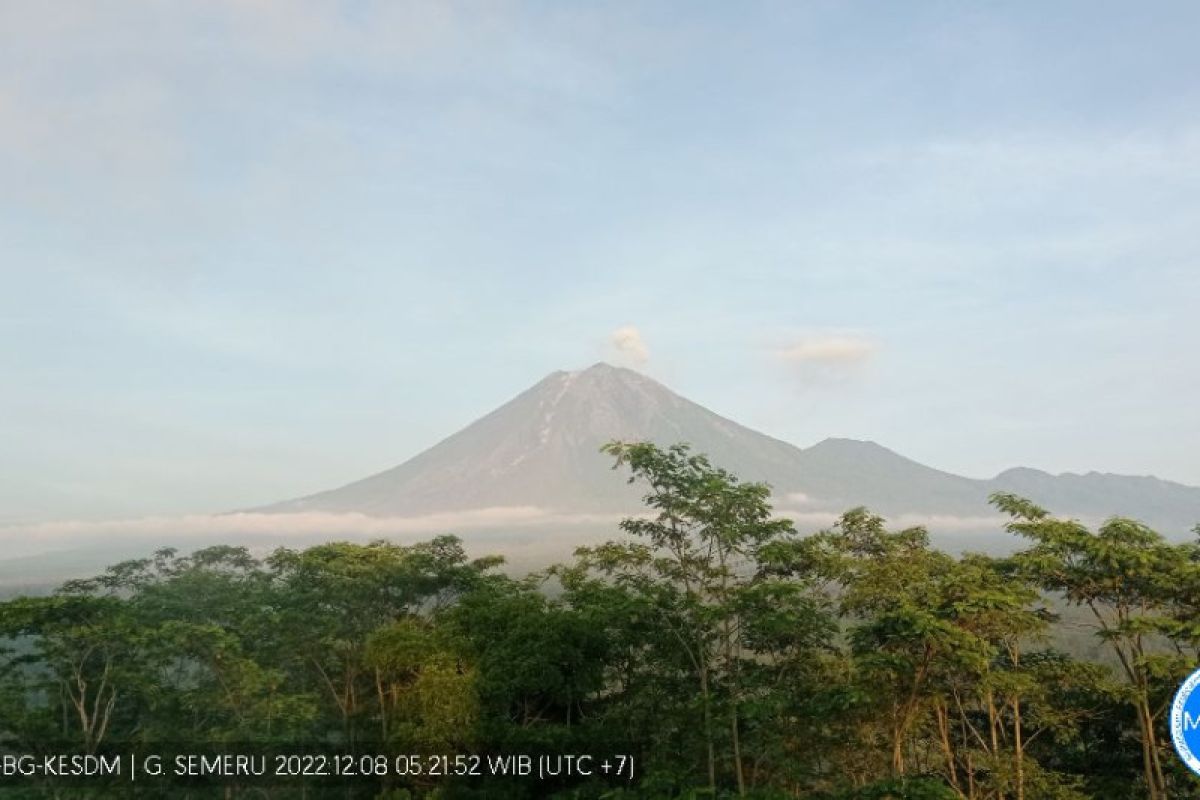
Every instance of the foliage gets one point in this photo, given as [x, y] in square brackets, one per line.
[726, 654]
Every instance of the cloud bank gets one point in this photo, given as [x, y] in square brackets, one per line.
[305, 527]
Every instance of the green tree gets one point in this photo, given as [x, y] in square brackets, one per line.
[331, 599]
[1134, 585]
[696, 557]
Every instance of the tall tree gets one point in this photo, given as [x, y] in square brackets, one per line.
[698, 556]
[1133, 584]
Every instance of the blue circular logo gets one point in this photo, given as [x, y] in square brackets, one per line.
[1185, 722]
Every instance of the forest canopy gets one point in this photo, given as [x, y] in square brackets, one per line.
[724, 653]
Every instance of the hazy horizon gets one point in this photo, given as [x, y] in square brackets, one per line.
[257, 250]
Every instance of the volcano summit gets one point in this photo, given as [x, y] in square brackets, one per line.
[541, 449]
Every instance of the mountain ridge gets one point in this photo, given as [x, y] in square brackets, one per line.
[541, 449]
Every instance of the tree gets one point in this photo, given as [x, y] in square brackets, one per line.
[331, 599]
[1134, 585]
[90, 657]
[701, 545]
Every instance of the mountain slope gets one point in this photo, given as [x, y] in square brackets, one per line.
[541, 449]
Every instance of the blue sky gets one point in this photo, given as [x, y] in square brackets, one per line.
[251, 249]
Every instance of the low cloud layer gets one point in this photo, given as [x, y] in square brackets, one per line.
[529, 538]
[164, 530]
[306, 527]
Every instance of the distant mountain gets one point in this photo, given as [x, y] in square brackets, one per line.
[541, 449]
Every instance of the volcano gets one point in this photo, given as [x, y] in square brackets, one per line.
[542, 450]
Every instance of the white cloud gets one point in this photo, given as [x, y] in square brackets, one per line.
[629, 347]
[836, 349]
[46, 553]
[285, 529]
